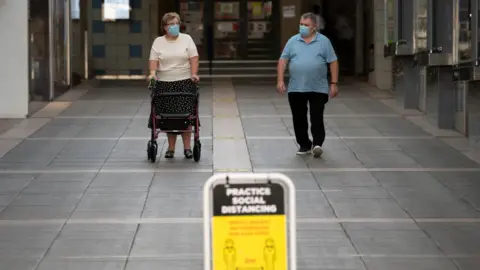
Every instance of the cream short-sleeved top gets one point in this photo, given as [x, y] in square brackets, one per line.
[173, 57]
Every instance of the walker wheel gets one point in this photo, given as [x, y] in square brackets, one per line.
[152, 150]
[197, 150]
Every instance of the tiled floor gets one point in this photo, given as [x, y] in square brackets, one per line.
[76, 191]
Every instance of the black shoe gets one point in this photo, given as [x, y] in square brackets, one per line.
[304, 151]
[188, 153]
[169, 154]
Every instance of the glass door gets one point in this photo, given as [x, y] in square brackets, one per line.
[192, 14]
[261, 40]
[227, 30]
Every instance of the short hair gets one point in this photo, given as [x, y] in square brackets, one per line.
[168, 17]
[311, 16]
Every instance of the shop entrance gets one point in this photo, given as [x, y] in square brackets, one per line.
[237, 29]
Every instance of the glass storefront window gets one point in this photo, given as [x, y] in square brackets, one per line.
[227, 11]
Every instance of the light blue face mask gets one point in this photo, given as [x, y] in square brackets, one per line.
[174, 30]
[304, 30]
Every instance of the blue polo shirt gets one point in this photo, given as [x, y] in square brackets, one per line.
[308, 63]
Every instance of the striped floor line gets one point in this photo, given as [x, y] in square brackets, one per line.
[137, 221]
[233, 170]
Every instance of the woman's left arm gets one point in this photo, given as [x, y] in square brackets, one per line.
[194, 63]
[193, 58]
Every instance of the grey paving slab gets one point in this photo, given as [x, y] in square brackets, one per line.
[34, 151]
[334, 159]
[22, 245]
[393, 242]
[303, 181]
[323, 243]
[396, 127]
[253, 109]
[468, 263]
[92, 241]
[20, 264]
[407, 179]
[53, 131]
[368, 106]
[131, 200]
[435, 154]
[54, 199]
[174, 205]
[455, 239]
[356, 132]
[410, 263]
[173, 264]
[367, 208]
[432, 202]
[56, 264]
[332, 180]
[32, 212]
[274, 154]
[264, 127]
[89, 248]
[87, 150]
[328, 263]
[159, 240]
[46, 187]
[120, 182]
[129, 150]
[19, 166]
[101, 132]
[313, 204]
[464, 184]
[64, 177]
[386, 159]
[372, 192]
[14, 183]
[338, 108]
[120, 108]
[371, 145]
[5, 199]
[179, 181]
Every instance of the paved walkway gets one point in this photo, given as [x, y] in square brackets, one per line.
[391, 192]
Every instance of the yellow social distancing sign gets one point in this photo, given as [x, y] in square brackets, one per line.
[249, 227]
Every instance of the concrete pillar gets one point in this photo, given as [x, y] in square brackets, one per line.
[14, 67]
[381, 77]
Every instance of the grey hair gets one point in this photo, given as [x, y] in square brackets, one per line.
[311, 16]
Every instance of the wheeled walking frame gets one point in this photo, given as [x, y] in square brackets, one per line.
[172, 119]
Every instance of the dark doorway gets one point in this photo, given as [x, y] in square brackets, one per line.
[340, 18]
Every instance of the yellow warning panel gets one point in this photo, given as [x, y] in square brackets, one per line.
[248, 228]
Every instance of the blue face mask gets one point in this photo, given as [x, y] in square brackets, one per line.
[174, 30]
[304, 30]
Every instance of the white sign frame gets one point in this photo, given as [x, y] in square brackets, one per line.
[249, 178]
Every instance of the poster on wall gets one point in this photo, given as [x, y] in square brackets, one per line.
[289, 11]
[116, 10]
[75, 9]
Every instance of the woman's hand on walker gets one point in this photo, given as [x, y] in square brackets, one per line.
[151, 77]
[195, 78]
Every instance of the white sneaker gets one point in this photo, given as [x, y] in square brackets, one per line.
[317, 151]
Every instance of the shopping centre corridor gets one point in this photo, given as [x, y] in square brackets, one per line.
[390, 193]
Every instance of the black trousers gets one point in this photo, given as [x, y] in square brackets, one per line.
[298, 105]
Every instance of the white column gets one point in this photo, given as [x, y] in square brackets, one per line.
[14, 67]
[382, 77]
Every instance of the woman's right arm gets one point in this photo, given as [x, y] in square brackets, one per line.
[153, 62]
[153, 67]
